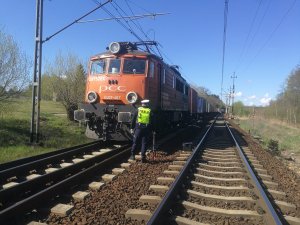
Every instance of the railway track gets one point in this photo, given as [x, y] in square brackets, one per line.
[28, 183]
[220, 182]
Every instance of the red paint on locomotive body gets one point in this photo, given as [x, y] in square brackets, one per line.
[119, 79]
[114, 83]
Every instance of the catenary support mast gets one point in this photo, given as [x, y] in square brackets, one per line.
[36, 85]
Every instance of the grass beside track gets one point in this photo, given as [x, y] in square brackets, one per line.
[288, 137]
[56, 130]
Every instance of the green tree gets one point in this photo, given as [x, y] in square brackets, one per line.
[69, 81]
[14, 68]
[48, 86]
[292, 95]
[286, 107]
[240, 109]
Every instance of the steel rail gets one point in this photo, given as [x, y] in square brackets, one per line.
[268, 204]
[18, 162]
[158, 217]
[36, 199]
[29, 187]
[55, 157]
[59, 188]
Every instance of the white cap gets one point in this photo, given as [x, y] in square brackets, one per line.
[145, 101]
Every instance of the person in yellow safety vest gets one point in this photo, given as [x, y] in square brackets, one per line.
[141, 129]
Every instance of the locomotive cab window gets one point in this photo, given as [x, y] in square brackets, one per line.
[114, 66]
[98, 67]
[151, 69]
[134, 66]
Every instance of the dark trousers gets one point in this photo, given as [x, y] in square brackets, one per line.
[140, 134]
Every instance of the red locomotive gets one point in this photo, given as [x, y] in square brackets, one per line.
[123, 76]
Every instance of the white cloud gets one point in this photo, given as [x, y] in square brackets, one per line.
[238, 94]
[265, 101]
[258, 101]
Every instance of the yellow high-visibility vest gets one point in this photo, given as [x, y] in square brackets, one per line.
[144, 115]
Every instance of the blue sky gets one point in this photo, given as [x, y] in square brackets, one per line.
[262, 44]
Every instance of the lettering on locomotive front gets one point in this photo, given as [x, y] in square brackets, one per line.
[105, 88]
[109, 97]
[96, 78]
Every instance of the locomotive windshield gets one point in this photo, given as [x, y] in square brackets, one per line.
[114, 66]
[98, 67]
[133, 66]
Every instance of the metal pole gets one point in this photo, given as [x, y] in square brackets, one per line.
[39, 72]
[233, 89]
[36, 85]
[36, 89]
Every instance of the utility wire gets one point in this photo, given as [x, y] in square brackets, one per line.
[141, 29]
[75, 21]
[260, 23]
[272, 34]
[138, 6]
[119, 10]
[129, 28]
[123, 25]
[116, 6]
[248, 35]
[119, 21]
[137, 24]
[134, 17]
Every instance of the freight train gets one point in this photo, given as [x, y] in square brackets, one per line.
[120, 78]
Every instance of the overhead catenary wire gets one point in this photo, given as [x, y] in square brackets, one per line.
[119, 21]
[248, 35]
[135, 23]
[134, 17]
[272, 34]
[159, 51]
[141, 29]
[260, 23]
[138, 26]
[138, 6]
[119, 10]
[122, 16]
[75, 21]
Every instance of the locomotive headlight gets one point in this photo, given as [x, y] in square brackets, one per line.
[115, 47]
[131, 97]
[92, 97]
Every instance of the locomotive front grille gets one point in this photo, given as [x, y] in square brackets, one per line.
[124, 117]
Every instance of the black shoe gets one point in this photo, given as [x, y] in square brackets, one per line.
[132, 157]
[144, 160]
